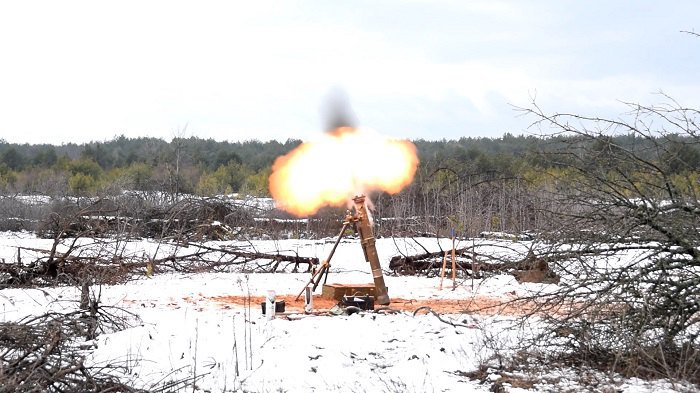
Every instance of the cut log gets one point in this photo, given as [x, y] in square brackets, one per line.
[531, 269]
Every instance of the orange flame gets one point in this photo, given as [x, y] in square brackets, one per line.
[340, 164]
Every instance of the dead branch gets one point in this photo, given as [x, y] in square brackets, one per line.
[242, 256]
[102, 266]
[39, 353]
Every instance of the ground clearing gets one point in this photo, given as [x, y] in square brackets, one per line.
[483, 305]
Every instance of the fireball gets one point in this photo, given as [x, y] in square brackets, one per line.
[338, 165]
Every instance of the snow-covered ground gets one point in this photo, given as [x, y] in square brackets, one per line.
[185, 329]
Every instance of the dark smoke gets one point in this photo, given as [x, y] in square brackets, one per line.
[337, 112]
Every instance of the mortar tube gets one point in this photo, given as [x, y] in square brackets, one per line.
[370, 250]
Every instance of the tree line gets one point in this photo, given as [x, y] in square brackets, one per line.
[468, 184]
[183, 165]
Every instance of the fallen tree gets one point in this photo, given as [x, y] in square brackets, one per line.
[472, 264]
[102, 266]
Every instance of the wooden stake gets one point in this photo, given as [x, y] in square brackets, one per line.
[442, 271]
[474, 265]
[454, 262]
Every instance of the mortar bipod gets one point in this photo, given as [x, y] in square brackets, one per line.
[323, 269]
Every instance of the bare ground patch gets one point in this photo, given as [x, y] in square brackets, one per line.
[477, 305]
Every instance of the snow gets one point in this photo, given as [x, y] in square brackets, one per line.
[182, 331]
[34, 200]
[361, 351]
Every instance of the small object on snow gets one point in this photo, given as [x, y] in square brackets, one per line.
[279, 307]
[336, 310]
[340, 309]
[149, 268]
[308, 300]
[270, 305]
[349, 310]
[497, 388]
[361, 302]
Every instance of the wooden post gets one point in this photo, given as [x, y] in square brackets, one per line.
[474, 264]
[442, 271]
[454, 262]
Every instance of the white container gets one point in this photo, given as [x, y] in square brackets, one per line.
[270, 305]
[308, 300]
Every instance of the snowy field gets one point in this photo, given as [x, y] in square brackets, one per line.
[184, 329]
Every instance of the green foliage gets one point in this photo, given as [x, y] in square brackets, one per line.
[99, 154]
[681, 157]
[257, 183]
[85, 175]
[7, 176]
[14, 159]
[81, 183]
[63, 163]
[223, 157]
[231, 177]
[140, 176]
[86, 167]
[46, 157]
[208, 185]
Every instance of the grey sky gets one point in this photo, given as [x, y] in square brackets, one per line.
[81, 71]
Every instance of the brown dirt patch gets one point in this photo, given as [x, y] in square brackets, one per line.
[476, 305]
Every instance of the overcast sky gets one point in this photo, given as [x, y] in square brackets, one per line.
[89, 71]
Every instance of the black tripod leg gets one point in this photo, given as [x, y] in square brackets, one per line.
[325, 278]
[324, 270]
